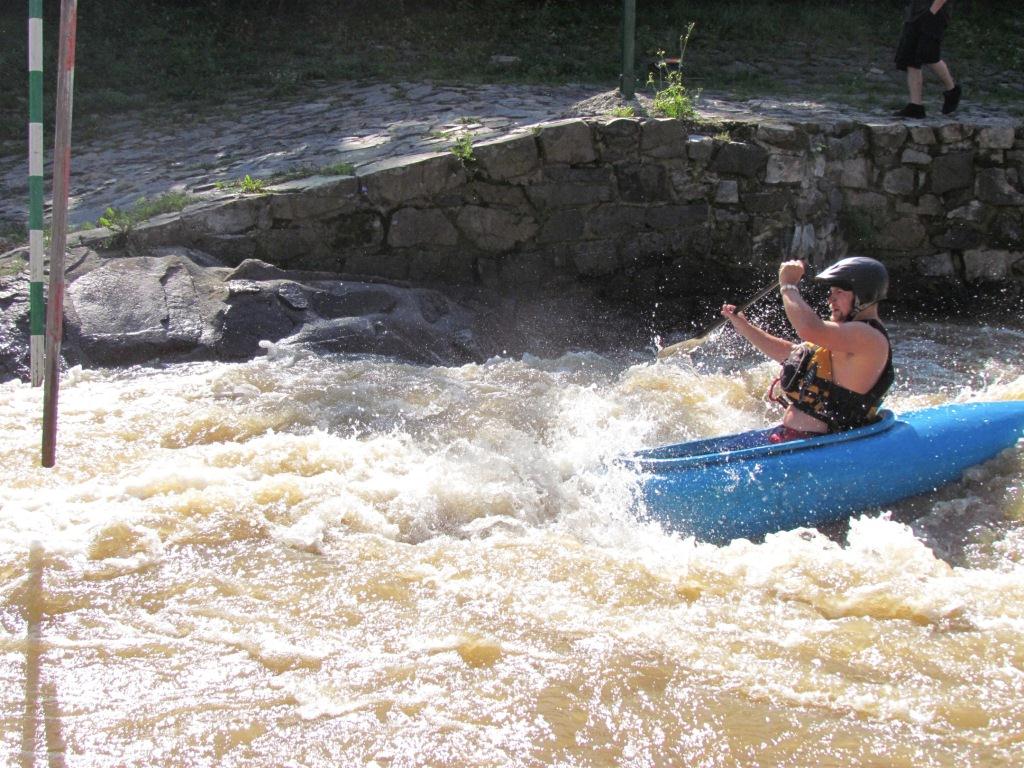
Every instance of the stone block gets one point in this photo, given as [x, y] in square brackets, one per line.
[567, 141]
[926, 205]
[615, 220]
[766, 202]
[689, 186]
[905, 233]
[292, 246]
[314, 197]
[618, 140]
[810, 205]
[227, 217]
[952, 171]
[488, 193]
[507, 158]
[728, 191]
[782, 135]
[563, 225]
[1007, 229]
[856, 173]
[231, 249]
[414, 227]
[973, 212]
[887, 135]
[359, 230]
[700, 148]
[785, 169]
[565, 195]
[996, 137]
[663, 139]
[166, 229]
[899, 181]
[987, 265]
[954, 132]
[846, 147]
[495, 229]
[642, 183]
[959, 236]
[872, 201]
[992, 186]
[666, 217]
[936, 265]
[400, 180]
[920, 134]
[740, 159]
[915, 157]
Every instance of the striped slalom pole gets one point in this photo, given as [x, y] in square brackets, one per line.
[37, 272]
[59, 238]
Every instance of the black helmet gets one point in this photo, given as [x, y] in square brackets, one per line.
[866, 277]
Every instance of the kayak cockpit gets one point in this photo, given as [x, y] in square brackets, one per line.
[747, 446]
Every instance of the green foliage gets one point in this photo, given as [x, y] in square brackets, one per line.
[463, 149]
[671, 96]
[123, 221]
[247, 185]
[624, 111]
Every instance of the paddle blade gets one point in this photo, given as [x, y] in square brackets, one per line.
[682, 347]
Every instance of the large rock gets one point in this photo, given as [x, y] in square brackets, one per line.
[952, 171]
[177, 305]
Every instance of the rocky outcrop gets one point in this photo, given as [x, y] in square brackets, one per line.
[179, 304]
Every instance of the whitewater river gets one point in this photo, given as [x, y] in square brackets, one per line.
[309, 561]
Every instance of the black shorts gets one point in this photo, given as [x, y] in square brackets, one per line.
[920, 41]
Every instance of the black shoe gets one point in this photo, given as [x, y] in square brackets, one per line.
[911, 110]
[951, 99]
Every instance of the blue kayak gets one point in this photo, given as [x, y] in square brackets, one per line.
[740, 485]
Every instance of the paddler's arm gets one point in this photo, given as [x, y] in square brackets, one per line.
[809, 326]
[770, 346]
[805, 321]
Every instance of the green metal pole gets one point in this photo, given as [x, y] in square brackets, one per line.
[627, 80]
[37, 270]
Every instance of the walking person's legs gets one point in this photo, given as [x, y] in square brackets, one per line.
[951, 89]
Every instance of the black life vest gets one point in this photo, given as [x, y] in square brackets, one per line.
[807, 384]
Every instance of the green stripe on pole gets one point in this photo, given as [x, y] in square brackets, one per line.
[35, 9]
[35, 97]
[35, 197]
[37, 309]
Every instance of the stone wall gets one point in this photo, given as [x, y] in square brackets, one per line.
[641, 208]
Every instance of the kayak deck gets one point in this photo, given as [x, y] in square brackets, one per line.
[722, 488]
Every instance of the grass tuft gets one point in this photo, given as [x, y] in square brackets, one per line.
[122, 221]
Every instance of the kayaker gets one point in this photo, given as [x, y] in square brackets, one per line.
[836, 377]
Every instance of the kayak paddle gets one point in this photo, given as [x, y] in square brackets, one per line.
[689, 345]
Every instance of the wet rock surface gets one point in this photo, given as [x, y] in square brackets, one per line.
[180, 305]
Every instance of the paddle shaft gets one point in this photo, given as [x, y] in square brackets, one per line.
[689, 344]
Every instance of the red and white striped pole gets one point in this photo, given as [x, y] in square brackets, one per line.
[59, 237]
[37, 269]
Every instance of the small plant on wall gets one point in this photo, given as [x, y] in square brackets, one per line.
[671, 96]
[463, 149]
